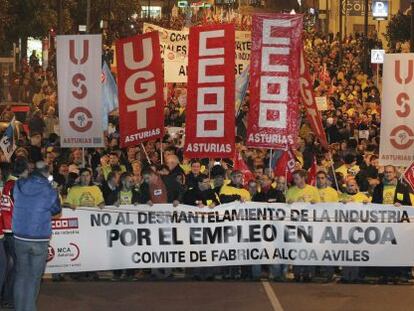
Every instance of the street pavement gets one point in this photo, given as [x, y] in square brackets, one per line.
[216, 296]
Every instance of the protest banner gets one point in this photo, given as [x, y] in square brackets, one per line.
[140, 80]
[174, 51]
[274, 81]
[397, 117]
[312, 104]
[328, 234]
[79, 89]
[210, 129]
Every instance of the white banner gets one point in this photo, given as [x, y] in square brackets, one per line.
[79, 90]
[397, 113]
[174, 51]
[232, 234]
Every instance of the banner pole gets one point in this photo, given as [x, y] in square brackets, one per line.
[146, 154]
[270, 159]
[333, 172]
[161, 152]
[83, 157]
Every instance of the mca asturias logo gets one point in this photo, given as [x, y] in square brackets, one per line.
[71, 251]
[50, 253]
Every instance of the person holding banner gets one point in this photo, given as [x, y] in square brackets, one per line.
[352, 194]
[392, 191]
[85, 194]
[302, 192]
[326, 193]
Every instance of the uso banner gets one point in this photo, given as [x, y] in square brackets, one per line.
[308, 99]
[328, 234]
[397, 114]
[209, 130]
[140, 85]
[79, 89]
[274, 80]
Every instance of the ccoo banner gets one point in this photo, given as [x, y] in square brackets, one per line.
[397, 115]
[210, 128]
[140, 82]
[79, 88]
[274, 80]
[233, 234]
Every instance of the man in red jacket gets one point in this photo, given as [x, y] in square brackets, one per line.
[20, 169]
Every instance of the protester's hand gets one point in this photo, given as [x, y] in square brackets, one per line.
[68, 205]
[176, 203]
[101, 205]
[117, 203]
[150, 203]
[289, 201]
[212, 205]
[313, 202]
[365, 202]
[397, 204]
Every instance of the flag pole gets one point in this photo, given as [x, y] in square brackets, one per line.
[146, 154]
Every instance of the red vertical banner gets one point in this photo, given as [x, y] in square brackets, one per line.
[140, 85]
[210, 124]
[274, 80]
[308, 98]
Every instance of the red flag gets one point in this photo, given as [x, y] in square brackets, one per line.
[140, 77]
[409, 176]
[240, 165]
[210, 128]
[308, 97]
[312, 173]
[285, 165]
[274, 80]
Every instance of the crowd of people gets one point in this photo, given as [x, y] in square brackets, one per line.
[157, 172]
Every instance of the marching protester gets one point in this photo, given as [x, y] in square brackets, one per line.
[35, 203]
[302, 192]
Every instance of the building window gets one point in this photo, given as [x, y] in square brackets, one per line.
[155, 11]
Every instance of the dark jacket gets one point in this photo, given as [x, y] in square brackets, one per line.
[273, 196]
[401, 189]
[110, 196]
[174, 190]
[193, 195]
[35, 202]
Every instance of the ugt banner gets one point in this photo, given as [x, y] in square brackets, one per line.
[79, 89]
[140, 89]
[160, 236]
[209, 130]
[308, 99]
[397, 115]
[274, 80]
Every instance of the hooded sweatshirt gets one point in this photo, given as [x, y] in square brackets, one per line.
[35, 202]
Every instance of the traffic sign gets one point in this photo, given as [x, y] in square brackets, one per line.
[377, 56]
